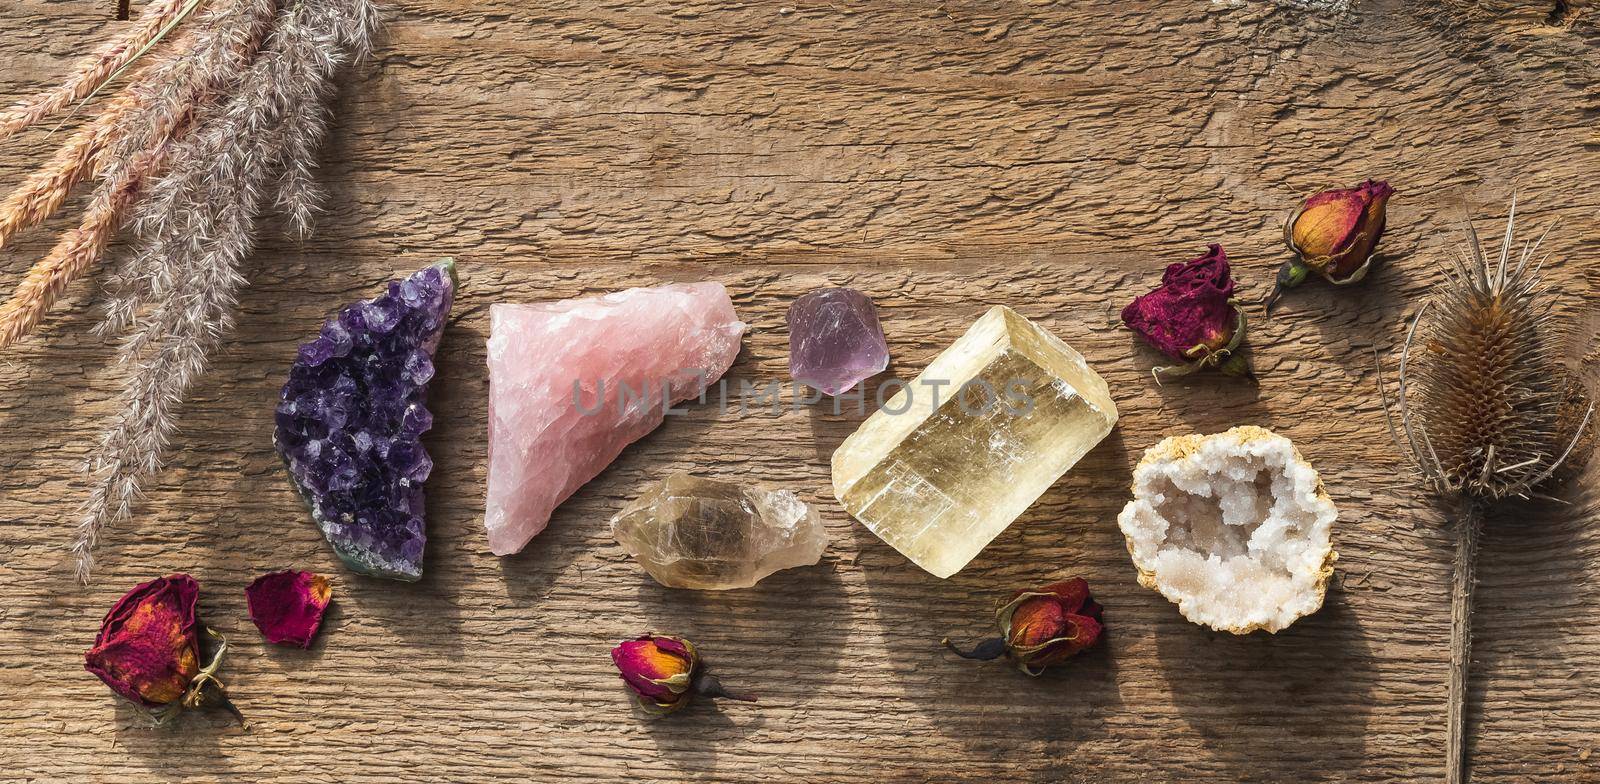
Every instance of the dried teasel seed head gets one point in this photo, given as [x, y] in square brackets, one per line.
[1486, 407]
[1488, 411]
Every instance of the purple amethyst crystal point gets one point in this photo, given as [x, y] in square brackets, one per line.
[351, 419]
[835, 341]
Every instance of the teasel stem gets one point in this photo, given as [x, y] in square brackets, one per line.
[1469, 528]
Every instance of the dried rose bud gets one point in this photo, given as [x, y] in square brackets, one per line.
[1043, 627]
[287, 606]
[1193, 318]
[148, 650]
[1334, 234]
[665, 673]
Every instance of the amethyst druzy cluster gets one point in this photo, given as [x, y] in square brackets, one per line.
[351, 419]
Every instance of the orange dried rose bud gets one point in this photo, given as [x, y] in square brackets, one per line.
[657, 670]
[148, 649]
[1334, 235]
[1336, 232]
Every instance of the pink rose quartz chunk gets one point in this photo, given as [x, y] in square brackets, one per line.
[572, 383]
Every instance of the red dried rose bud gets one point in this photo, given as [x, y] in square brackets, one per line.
[287, 606]
[1193, 318]
[1043, 627]
[665, 673]
[148, 649]
[1334, 234]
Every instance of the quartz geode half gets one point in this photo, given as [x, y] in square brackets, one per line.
[351, 418]
[1234, 528]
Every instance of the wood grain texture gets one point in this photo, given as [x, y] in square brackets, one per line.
[943, 157]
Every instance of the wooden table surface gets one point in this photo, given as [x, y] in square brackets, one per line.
[943, 157]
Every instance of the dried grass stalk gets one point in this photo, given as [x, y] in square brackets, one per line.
[44, 191]
[95, 70]
[74, 254]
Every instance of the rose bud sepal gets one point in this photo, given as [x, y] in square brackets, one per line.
[1229, 360]
[206, 691]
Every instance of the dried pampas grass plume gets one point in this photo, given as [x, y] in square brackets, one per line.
[173, 298]
[125, 146]
[1487, 412]
[221, 124]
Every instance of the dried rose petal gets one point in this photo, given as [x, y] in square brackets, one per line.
[287, 606]
[148, 649]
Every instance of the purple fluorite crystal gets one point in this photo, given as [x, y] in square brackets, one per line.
[835, 341]
[351, 419]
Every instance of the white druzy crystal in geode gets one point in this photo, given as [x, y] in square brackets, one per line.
[1234, 528]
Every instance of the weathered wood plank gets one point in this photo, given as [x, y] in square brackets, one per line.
[944, 157]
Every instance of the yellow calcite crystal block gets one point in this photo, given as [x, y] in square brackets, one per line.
[959, 453]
